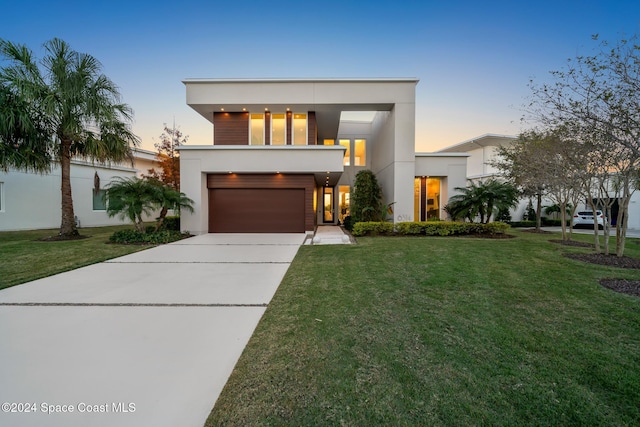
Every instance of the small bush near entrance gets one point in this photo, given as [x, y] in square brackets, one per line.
[372, 228]
[430, 228]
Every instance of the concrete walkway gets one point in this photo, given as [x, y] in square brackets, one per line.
[330, 235]
[148, 339]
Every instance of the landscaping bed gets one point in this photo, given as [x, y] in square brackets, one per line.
[608, 260]
[623, 286]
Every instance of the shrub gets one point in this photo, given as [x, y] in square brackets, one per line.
[518, 224]
[366, 200]
[372, 228]
[171, 223]
[496, 228]
[548, 222]
[429, 228]
[153, 238]
[347, 222]
[163, 236]
[410, 228]
[126, 236]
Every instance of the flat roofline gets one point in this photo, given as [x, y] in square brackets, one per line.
[260, 147]
[304, 80]
[438, 154]
[478, 141]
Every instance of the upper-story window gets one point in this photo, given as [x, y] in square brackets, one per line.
[257, 129]
[299, 129]
[278, 129]
[360, 152]
[347, 154]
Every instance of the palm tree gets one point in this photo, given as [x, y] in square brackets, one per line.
[81, 112]
[166, 198]
[23, 137]
[131, 198]
[482, 199]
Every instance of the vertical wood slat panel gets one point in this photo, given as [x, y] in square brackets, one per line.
[312, 133]
[307, 182]
[231, 128]
[267, 128]
[289, 125]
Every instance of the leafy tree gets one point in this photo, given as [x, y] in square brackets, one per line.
[169, 157]
[366, 202]
[524, 164]
[596, 99]
[65, 109]
[483, 200]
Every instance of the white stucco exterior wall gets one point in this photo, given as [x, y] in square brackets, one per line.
[451, 168]
[33, 201]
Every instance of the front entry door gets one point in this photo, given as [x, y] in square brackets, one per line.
[327, 204]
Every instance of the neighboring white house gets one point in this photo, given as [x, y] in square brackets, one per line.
[33, 201]
[482, 150]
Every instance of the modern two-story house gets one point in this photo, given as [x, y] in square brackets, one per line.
[284, 153]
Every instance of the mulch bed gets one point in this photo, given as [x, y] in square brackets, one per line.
[623, 286]
[608, 260]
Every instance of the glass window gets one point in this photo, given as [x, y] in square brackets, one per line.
[328, 204]
[299, 129]
[433, 198]
[360, 152]
[416, 199]
[99, 201]
[344, 194]
[257, 129]
[347, 154]
[426, 198]
[329, 142]
[278, 129]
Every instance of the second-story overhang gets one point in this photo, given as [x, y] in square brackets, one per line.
[326, 97]
[325, 162]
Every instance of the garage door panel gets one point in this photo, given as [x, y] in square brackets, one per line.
[255, 210]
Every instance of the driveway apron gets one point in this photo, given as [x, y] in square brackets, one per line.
[148, 339]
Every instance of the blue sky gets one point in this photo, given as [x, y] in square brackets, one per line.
[474, 59]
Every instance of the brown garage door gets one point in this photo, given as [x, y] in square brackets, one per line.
[256, 210]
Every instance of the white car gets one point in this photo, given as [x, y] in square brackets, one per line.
[584, 219]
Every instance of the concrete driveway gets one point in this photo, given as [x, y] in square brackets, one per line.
[148, 339]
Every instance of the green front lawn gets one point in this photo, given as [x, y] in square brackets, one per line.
[441, 332]
[24, 258]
